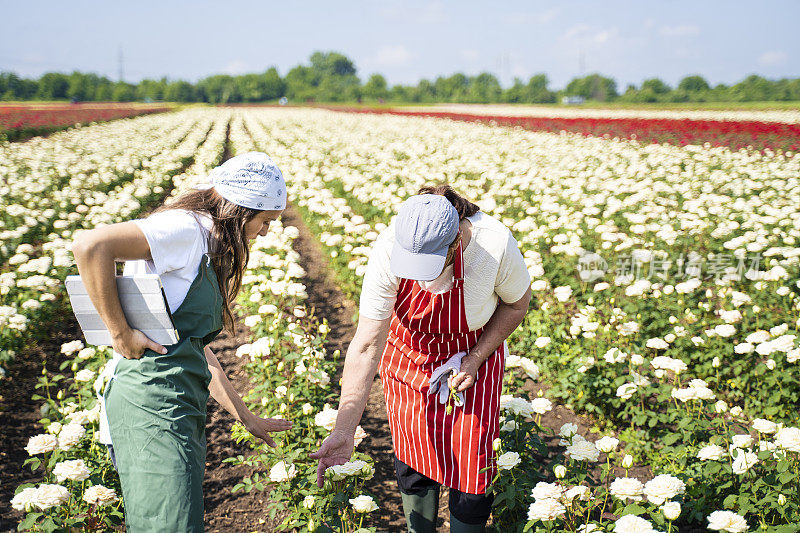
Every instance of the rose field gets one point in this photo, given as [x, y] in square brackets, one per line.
[654, 384]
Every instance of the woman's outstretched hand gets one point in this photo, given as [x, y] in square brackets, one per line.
[262, 427]
[336, 449]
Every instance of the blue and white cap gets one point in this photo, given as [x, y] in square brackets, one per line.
[249, 180]
[425, 226]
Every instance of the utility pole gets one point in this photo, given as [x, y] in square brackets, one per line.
[120, 64]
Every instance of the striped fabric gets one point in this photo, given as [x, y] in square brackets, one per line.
[426, 330]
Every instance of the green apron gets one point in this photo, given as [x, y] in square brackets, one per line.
[156, 408]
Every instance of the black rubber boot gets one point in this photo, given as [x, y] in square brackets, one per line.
[457, 526]
[421, 510]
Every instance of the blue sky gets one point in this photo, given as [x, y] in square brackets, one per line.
[408, 40]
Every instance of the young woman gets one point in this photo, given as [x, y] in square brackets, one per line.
[446, 285]
[154, 405]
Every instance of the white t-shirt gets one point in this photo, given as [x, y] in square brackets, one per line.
[493, 269]
[178, 239]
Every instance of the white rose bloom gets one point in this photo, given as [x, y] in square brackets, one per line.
[363, 504]
[69, 348]
[282, 472]
[764, 426]
[671, 510]
[743, 347]
[720, 406]
[743, 461]
[546, 510]
[757, 337]
[736, 411]
[308, 501]
[75, 470]
[633, 524]
[626, 390]
[544, 491]
[508, 460]
[562, 293]
[509, 425]
[711, 452]
[541, 342]
[518, 406]
[626, 488]
[48, 496]
[627, 461]
[741, 441]
[727, 521]
[25, 499]
[99, 495]
[530, 368]
[788, 438]
[607, 444]
[70, 435]
[663, 488]
[86, 353]
[326, 418]
[567, 430]
[582, 450]
[725, 330]
[41, 444]
[541, 405]
[657, 343]
[582, 492]
[84, 375]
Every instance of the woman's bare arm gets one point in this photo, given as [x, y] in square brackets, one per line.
[96, 252]
[503, 322]
[360, 365]
[222, 390]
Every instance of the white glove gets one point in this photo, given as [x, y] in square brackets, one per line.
[438, 379]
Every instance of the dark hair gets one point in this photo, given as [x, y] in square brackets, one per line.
[227, 243]
[464, 207]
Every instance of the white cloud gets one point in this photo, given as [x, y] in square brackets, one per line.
[604, 36]
[392, 56]
[577, 30]
[586, 33]
[235, 67]
[772, 57]
[679, 31]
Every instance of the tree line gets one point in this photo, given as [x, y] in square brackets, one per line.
[331, 77]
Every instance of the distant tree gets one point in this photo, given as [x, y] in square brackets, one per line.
[537, 91]
[151, 89]
[453, 88]
[753, 89]
[219, 89]
[693, 84]
[301, 83]
[375, 88]
[123, 92]
[656, 86]
[484, 88]
[425, 92]
[593, 86]
[516, 93]
[331, 64]
[180, 91]
[53, 86]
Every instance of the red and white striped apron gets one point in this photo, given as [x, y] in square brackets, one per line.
[426, 330]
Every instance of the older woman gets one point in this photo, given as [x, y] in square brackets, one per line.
[445, 286]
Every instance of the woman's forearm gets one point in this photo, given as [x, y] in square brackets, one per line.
[222, 390]
[97, 268]
[506, 318]
[360, 366]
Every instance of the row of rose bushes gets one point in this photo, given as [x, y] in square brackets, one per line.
[675, 366]
[79, 487]
[75, 180]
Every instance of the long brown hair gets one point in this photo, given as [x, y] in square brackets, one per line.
[464, 207]
[227, 243]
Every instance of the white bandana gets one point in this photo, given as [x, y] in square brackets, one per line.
[249, 180]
